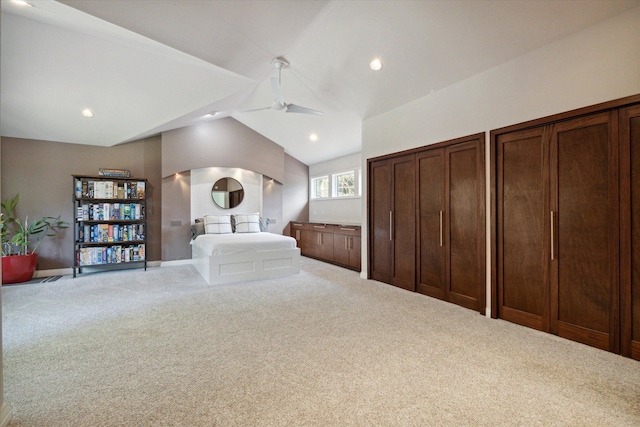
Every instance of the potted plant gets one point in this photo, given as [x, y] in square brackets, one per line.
[20, 241]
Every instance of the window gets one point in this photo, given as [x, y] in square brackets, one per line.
[342, 184]
[320, 187]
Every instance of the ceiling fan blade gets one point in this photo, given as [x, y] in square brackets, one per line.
[277, 91]
[256, 109]
[291, 108]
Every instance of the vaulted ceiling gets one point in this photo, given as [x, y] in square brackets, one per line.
[146, 66]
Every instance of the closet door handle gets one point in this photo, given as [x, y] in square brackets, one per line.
[441, 239]
[391, 225]
[346, 242]
[552, 237]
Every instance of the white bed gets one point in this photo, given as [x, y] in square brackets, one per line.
[225, 258]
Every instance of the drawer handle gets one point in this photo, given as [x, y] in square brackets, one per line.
[347, 229]
[297, 225]
[319, 226]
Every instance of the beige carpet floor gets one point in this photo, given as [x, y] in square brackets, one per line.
[322, 348]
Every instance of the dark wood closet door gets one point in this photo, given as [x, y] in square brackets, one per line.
[630, 230]
[585, 219]
[403, 227]
[431, 220]
[464, 225]
[379, 221]
[523, 237]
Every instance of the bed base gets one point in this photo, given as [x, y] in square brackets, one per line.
[219, 269]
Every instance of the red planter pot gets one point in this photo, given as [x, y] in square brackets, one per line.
[18, 268]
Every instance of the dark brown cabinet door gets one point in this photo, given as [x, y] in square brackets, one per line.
[355, 254]
[431, 219]
[346, 247]
[464, 225]
[317, 242]
[584, 208]
[451, 223]
[523, 245]
[341, 249]
[380, 221]
[558, 216]
[392, 215]
[630, 230]
[403, 222]
[296, 232]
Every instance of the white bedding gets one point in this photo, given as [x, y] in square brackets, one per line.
[235, 243]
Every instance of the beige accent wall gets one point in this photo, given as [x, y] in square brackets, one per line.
[176, 216]
[40, 171]
[295, 193]
[221, 143]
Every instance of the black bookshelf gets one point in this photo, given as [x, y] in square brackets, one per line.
[110, 225]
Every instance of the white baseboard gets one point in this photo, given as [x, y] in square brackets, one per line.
[177, 262]
[5, 414]
[69, 271]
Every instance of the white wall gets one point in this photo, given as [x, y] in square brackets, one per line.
[599, 64]
[336, 211]
[202, 181]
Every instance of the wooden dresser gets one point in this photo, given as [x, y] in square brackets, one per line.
[334, 243]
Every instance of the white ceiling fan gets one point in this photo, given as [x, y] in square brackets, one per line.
[278, 100]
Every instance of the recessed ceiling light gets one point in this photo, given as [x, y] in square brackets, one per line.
[376, 65]
[87, 113]
[212, 113]
[313, 137]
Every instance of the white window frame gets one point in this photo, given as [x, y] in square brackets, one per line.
[313, 187]
[333, 186]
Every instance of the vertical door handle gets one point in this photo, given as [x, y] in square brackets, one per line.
[390, 225]
[441, 239]
[297, 234]
[346, 242]
[552, 221]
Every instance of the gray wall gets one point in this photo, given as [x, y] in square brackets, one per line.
[40, 171]
[221, 143]
[176, 216]
[295, 206]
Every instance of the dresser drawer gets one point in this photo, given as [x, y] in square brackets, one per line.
[324, 228]
[350, 230]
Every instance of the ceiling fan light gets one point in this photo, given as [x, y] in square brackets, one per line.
[376, 64]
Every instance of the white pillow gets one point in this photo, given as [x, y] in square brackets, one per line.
[247, 223]
[217, 224]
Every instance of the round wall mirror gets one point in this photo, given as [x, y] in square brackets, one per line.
[227, 193]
